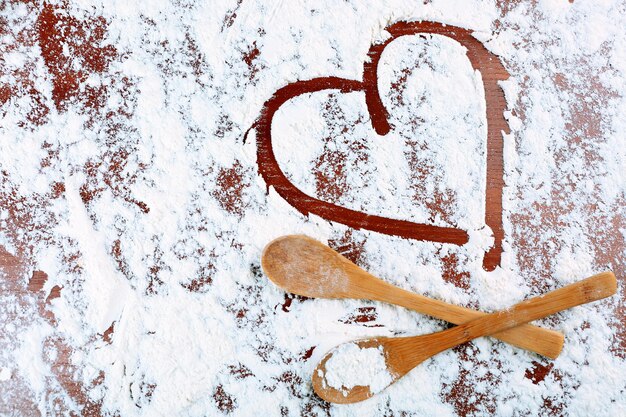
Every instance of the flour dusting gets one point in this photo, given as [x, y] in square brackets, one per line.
[5, 374]
[128, 180]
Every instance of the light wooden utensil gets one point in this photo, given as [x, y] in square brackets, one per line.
[404, 353]
[304, 266]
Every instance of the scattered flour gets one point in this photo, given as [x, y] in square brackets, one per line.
[5, 374]
[129, 183]
[352, 365]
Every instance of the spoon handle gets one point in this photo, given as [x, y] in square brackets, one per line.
[590, 289]
[543, 341]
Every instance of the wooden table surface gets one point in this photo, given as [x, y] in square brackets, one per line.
[20, 279]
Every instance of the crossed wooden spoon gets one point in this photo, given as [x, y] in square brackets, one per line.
[304, 266]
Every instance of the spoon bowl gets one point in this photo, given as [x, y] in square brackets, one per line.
[332, 386]
[303, 266]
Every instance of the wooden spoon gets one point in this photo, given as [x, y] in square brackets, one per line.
[401, 354]
[304, 266]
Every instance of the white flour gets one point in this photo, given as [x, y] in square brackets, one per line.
[352, 366]
[147, 207]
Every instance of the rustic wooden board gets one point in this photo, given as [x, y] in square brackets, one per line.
[20, 281]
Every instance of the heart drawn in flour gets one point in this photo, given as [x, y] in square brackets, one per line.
[491, 71]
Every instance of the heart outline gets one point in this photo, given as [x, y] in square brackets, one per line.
[491, 70]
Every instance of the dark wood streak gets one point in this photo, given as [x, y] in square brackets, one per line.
[481, 59]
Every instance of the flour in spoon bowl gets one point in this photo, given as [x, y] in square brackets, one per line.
[352, 365]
